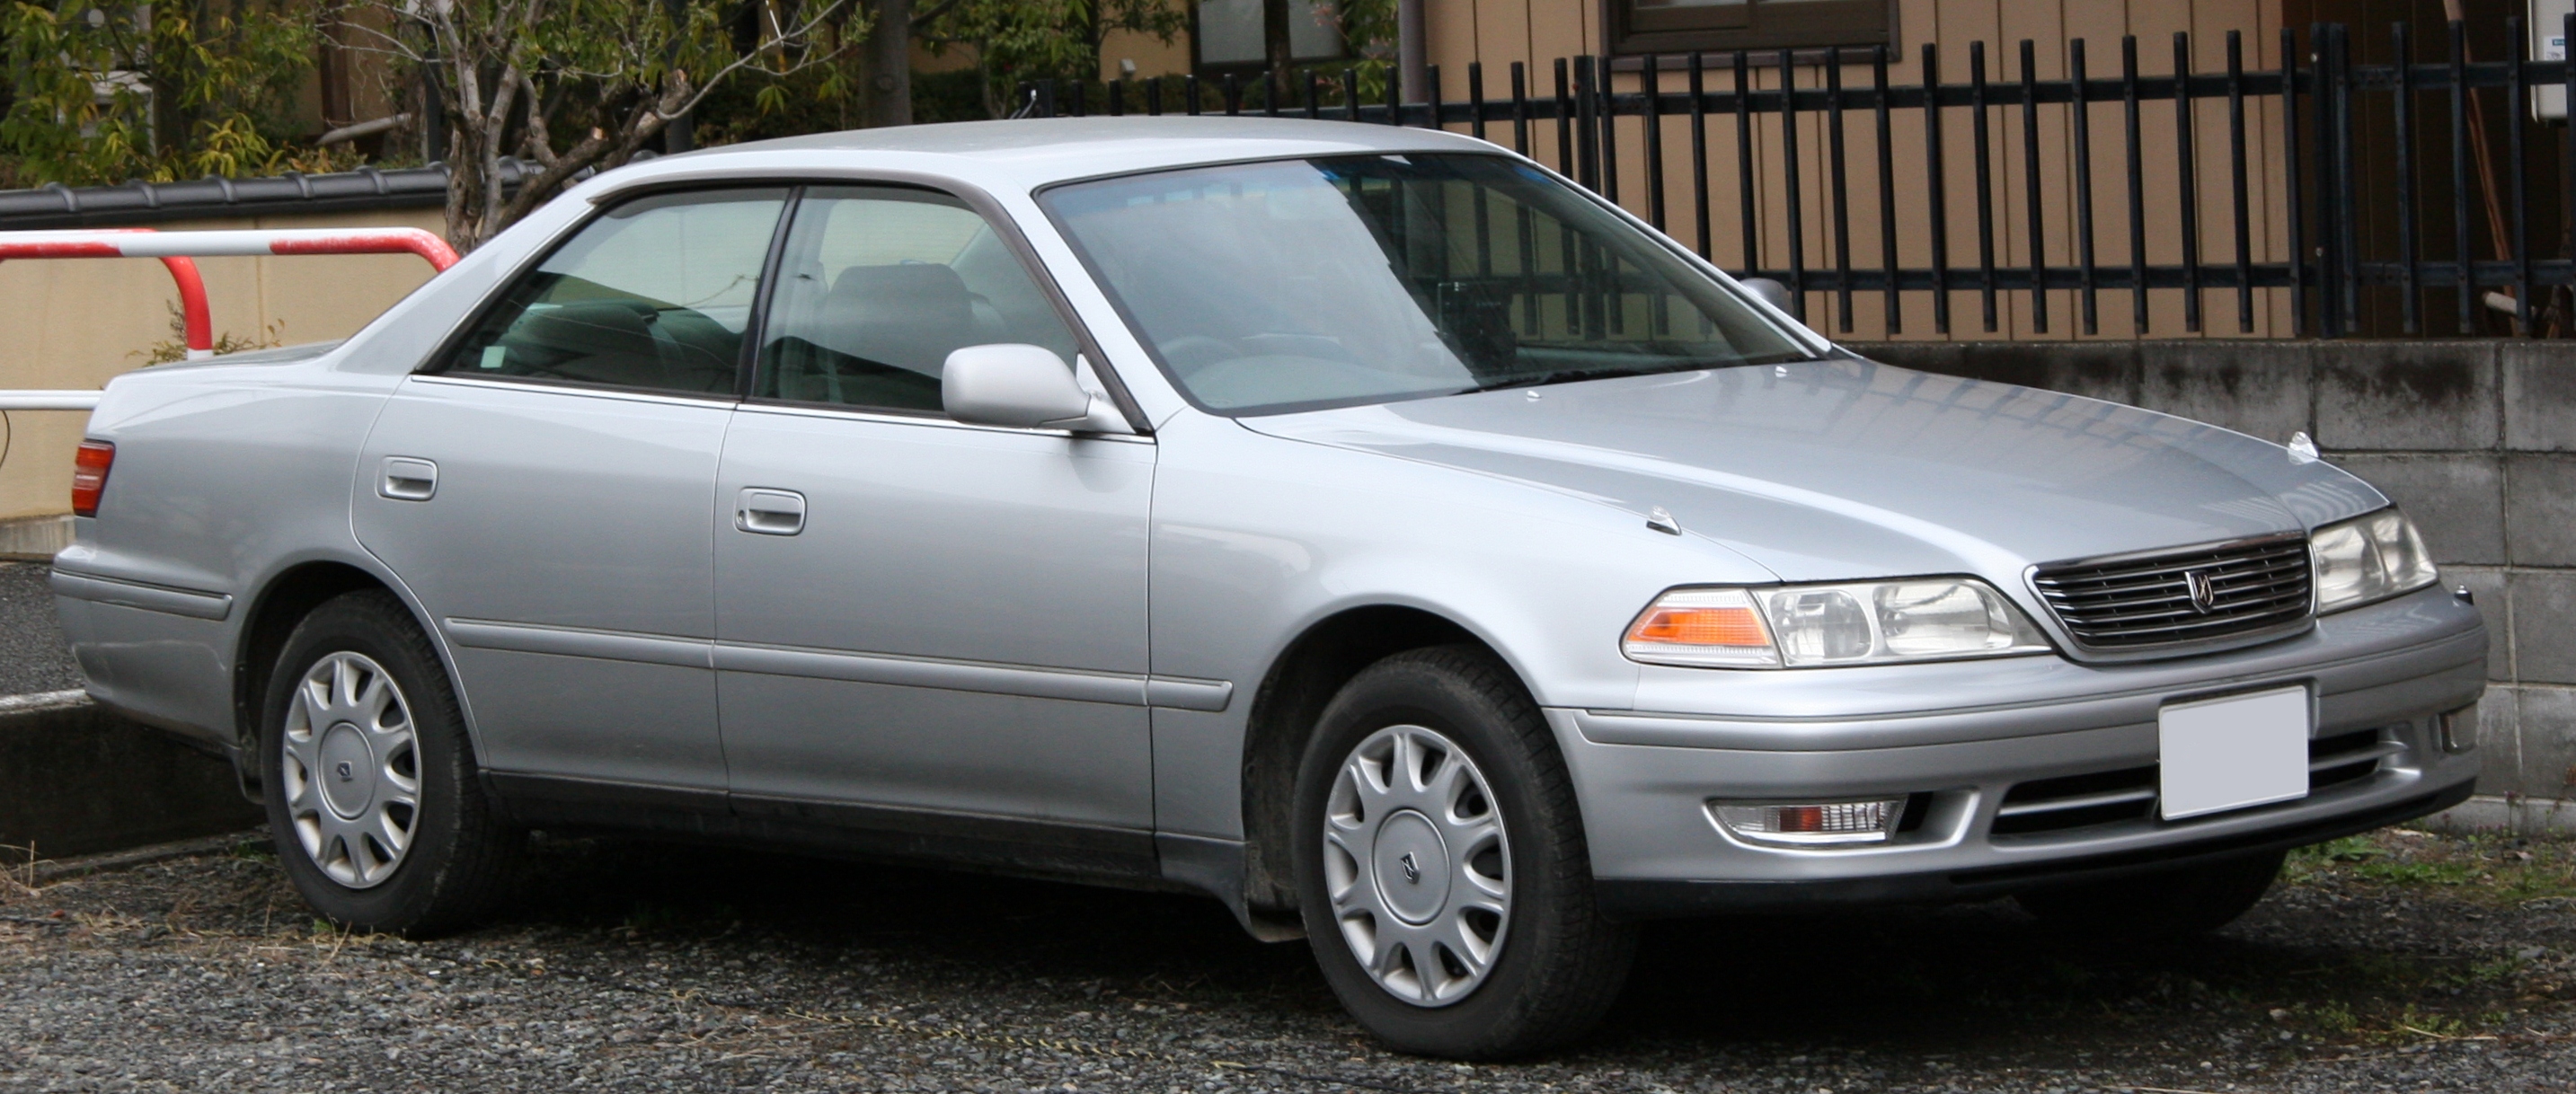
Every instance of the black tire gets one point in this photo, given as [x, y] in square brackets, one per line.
[2164, 904]
[1559, 963]
[461, 851]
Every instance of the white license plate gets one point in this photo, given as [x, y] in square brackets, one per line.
[2242, 750]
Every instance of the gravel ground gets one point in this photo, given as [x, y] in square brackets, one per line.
[2392, 962]
[33, 653]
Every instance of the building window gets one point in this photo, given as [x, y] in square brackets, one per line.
[1228, 35]
[1681, 26]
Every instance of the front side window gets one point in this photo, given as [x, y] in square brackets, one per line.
[1295, 284]
[654, 295]
[878, 285]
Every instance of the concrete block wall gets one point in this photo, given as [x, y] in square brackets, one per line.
[2474, 439]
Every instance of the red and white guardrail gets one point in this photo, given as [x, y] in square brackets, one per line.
[176, 249]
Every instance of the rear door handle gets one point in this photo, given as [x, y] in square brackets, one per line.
[769, 512]
[408, 479]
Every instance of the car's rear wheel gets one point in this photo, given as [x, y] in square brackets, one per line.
[2163, 904]
[1441, 866]
[373, 799]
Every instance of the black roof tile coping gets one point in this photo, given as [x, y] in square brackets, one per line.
[54, 205]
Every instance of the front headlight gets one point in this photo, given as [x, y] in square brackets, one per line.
[1852, 623]
[2368, 558]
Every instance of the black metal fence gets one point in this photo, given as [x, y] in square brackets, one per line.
[2384, 173]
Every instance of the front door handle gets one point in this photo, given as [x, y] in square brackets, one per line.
[408, 479]
[769, 512]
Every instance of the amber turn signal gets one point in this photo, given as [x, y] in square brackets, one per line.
[1700, 627]
[1713, 627]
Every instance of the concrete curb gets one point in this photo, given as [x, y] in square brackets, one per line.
[34, 539]
[48, 870]
[43, 700]
[78, 780]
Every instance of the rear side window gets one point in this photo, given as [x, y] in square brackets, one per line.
[878, 285]
[654, 295]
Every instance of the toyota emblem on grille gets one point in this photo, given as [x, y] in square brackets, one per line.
[2204, 596]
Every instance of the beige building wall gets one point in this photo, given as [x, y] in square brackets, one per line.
[1536, 32]
[77, 323]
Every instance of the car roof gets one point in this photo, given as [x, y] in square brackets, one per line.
[1031, 153]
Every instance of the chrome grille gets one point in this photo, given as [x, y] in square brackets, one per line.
[2146, 600]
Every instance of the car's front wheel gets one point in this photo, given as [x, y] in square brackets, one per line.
[2162, 904]
[373, 799]
[1441, 866]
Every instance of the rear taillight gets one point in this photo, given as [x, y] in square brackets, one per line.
[89, 475]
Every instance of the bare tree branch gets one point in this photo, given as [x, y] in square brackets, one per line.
[922, 21]
[533, 133]
[811, 59]
[513, 74]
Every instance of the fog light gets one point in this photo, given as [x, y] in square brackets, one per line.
[1810, 825]
[2458, 729]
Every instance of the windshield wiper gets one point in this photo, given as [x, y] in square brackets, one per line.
[1567, 375]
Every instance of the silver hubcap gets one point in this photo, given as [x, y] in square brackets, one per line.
[1417, 866]
[352, 770]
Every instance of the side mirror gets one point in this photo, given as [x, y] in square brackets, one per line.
[1771, 292]
[1023, 386]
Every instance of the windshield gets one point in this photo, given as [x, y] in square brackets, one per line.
[1295, 284]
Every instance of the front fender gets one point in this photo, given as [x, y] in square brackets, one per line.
[1257, 539]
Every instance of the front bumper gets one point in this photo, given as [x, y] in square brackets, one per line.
[1961, 737]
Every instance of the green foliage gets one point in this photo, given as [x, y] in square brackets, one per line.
[2489, 868]
[956, 95]
[1368, 25]
[760, 104]
[175, 347]
[2332, 1017]
[107, 93]
[582, 85]
[114, 90]
[1018, 40]
[1009, 41]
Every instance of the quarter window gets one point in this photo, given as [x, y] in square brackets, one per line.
[653, 295]
[878, 285]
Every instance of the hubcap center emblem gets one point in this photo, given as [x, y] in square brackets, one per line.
[345, 755]
[1412, 866]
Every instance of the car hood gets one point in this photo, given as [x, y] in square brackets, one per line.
[1847, 468]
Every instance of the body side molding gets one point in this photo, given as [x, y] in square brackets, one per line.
[135, 594]
[651, 649]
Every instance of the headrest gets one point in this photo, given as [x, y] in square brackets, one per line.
[909, 315]
[880, 290]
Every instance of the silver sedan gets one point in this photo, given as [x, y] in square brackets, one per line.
[1360, 525]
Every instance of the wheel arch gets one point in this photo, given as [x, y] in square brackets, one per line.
[282, 602]
[1304, 677]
